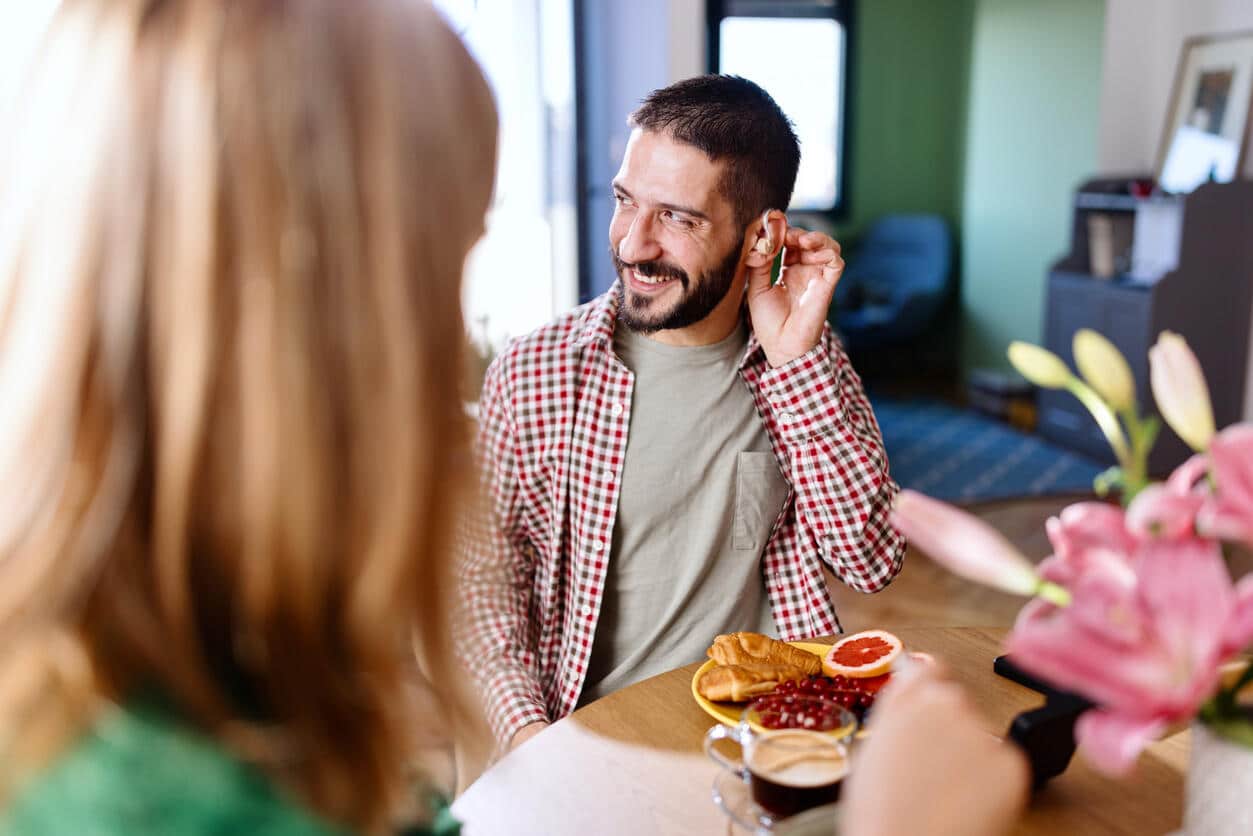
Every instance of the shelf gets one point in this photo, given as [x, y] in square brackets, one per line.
[1107, 202]
[1204, 244]
[1121, 280]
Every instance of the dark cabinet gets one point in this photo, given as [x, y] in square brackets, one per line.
[1205, 293]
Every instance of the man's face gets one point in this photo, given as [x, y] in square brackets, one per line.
[673, 238]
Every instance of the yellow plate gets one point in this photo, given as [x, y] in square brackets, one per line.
[728, 713]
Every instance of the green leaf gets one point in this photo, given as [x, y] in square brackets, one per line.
[1228, 718]
[1245, 678]
[1108, 480]
[1237, 730]
[1149, 428]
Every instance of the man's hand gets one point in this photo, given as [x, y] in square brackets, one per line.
[788, 317]
[525, 733]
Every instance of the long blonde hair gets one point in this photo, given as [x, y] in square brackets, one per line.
[231, 438]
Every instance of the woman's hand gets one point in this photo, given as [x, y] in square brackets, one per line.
[929, 768]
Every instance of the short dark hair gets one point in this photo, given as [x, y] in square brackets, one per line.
[731, 119]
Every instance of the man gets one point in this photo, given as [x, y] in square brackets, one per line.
[683, 455]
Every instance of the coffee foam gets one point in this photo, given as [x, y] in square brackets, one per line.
[795, 759]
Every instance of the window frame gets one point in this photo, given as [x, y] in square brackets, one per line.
[840, 11]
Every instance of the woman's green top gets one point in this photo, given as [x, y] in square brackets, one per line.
[140, 771]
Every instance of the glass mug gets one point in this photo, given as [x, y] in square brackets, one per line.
[789, 769]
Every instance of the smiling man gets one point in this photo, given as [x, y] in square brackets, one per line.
[683, 455]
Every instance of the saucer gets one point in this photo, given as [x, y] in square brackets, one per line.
[734, 799]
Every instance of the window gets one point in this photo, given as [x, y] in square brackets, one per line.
[798, 52]
[21, 27]
[524, 270]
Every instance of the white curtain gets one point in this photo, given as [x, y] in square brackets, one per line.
[525, 268]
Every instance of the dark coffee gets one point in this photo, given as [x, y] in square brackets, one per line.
[791, 771]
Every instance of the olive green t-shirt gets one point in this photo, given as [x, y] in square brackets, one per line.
[700, 493]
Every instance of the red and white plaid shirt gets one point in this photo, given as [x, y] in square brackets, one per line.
[553, 421]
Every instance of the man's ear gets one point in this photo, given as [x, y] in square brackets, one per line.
[765, 238]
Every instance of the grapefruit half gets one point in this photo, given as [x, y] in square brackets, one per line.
[862, 655]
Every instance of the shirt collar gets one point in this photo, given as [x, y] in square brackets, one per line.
[599, 321]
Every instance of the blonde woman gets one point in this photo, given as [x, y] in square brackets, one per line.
[231, 239]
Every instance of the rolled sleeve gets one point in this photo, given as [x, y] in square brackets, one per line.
[838, 467]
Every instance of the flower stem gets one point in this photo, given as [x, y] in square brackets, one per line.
[1105, 419]
[1053, 593]
[1142, 433]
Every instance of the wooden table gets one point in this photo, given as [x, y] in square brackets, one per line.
[632, 763]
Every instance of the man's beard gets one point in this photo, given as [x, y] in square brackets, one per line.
[644, 314]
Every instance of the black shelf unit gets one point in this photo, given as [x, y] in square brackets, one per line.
[1207, 298]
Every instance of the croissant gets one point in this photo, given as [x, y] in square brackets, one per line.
[736, 683]
[739, 648]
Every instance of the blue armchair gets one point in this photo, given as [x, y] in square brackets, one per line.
[895, 282]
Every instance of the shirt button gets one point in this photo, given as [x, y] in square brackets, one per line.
[616, 409]
[587, 610]
[787, 417]
[608, 475]
[598, 545]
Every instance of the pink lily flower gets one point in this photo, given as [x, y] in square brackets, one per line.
[1112, 742]
[1240, 630]
[1085, 535]
[1179, 388]
[963, 544]
[1134, 611]
[1228, 514]
[1165, 510]
[1146, 646]
[1172, 509]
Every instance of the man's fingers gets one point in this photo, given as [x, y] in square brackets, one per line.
[801, 274]
[811, 268]
[824, 256]
[809, 240]
[759, 278]
[817, 241]
[793, 256]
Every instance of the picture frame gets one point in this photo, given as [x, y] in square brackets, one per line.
[1207, 118]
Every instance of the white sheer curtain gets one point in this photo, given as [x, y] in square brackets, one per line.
[21, 24]
[525, 268]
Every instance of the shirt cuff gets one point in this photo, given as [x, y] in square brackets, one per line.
[509, 714]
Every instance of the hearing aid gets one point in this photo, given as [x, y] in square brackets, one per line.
[764, 245]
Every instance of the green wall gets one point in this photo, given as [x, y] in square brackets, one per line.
[1031, 138]
[908, 107]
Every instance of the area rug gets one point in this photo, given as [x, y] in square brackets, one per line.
[961, 456]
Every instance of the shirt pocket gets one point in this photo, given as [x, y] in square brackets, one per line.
[760, 491]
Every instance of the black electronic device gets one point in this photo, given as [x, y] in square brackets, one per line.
[1045, 734]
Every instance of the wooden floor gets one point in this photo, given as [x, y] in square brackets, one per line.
[925, 595]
